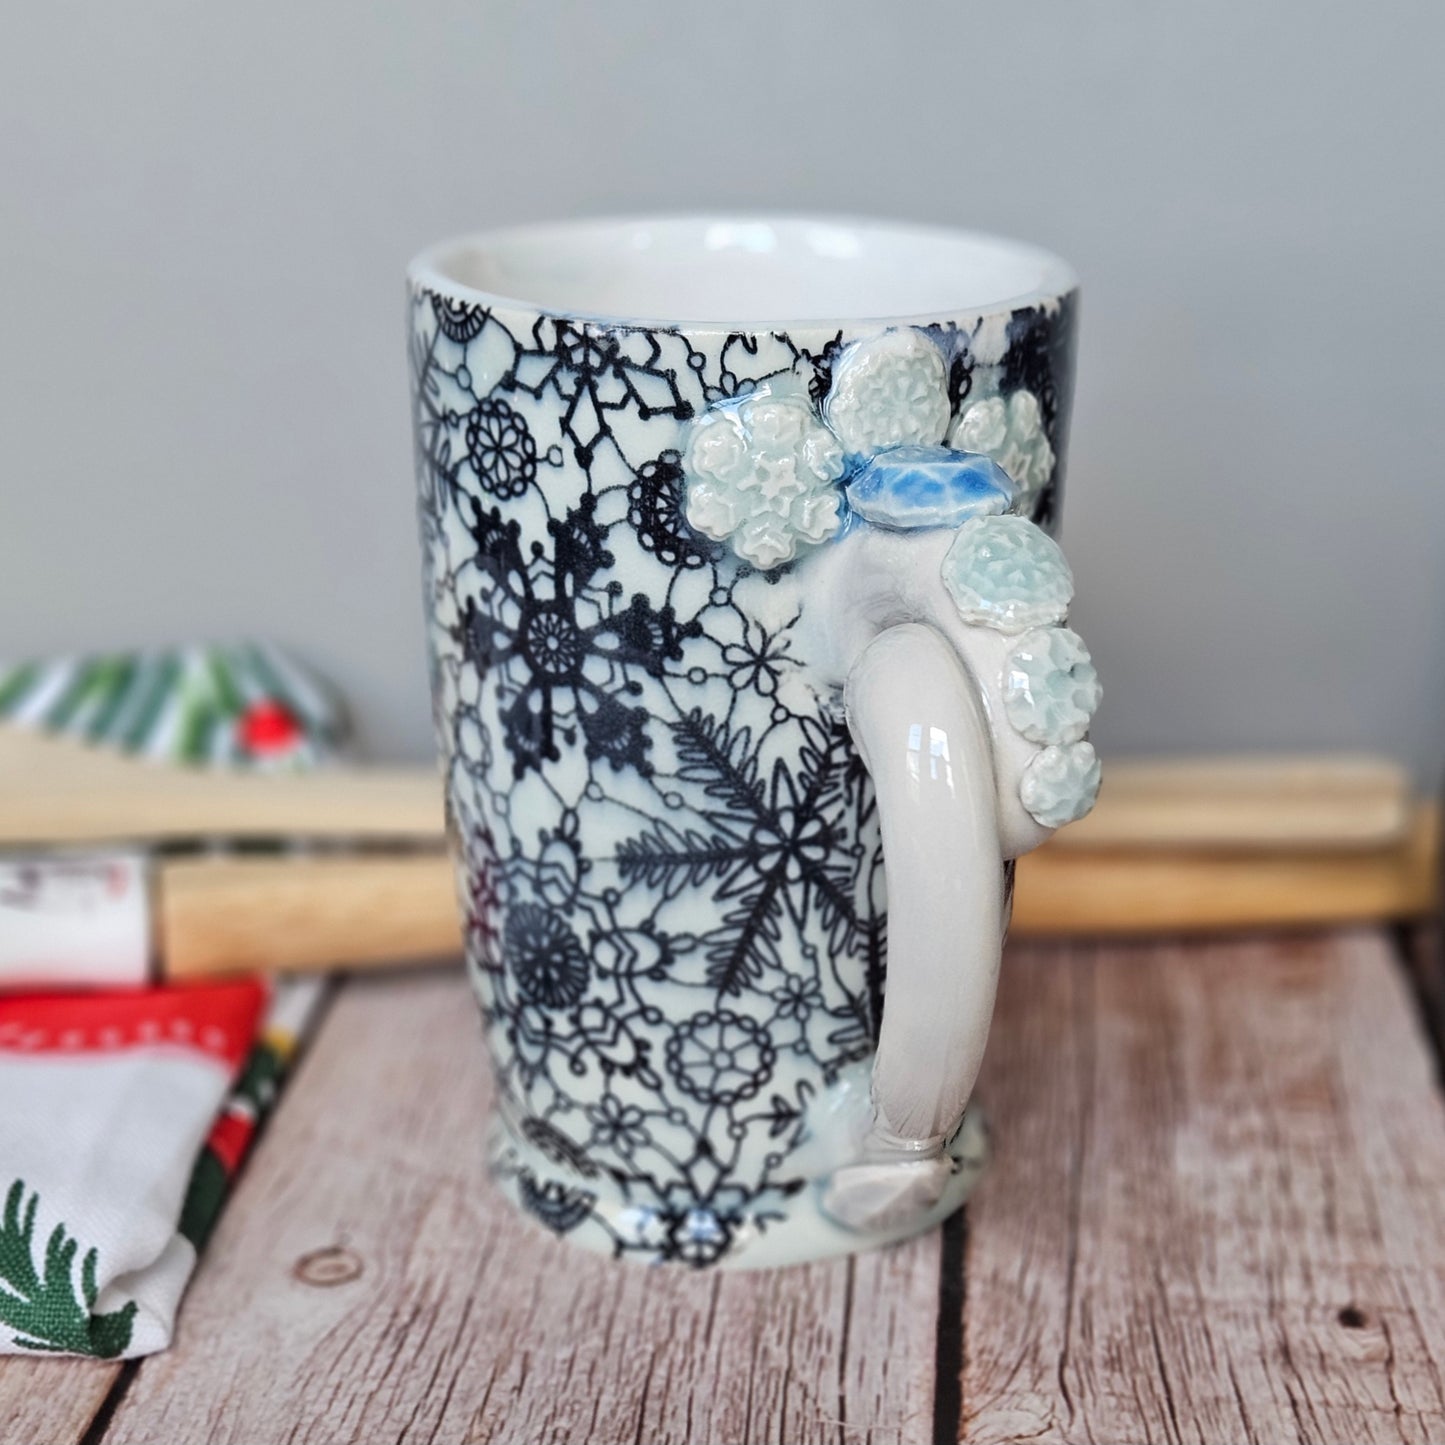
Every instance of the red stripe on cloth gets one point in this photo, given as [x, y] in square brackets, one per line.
[230, 1138]
[218, 1021]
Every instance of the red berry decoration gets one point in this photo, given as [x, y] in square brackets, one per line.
[267, 727]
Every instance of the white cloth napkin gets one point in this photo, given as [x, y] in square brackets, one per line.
[122, 1122]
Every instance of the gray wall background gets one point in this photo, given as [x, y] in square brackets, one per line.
[207, 209]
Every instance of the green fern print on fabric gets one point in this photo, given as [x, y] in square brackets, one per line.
[42, 1307]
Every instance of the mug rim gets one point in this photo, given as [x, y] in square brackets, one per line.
[739, 231]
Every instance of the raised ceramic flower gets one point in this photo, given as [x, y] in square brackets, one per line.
[889, 391]
[1050, 687]
[760, 477]
[1011, 431]
[1007, 573]
[1059, 786]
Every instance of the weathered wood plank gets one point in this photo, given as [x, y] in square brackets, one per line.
[365, 1284]
[1217, 1209]
[52, 1401]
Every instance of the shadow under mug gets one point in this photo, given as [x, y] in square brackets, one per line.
[750, 674]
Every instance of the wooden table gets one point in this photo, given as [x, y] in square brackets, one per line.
[1216, 1213]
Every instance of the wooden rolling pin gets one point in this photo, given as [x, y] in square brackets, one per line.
[1182, 845]
[222, 914]
[1063, 889]
[56, 791]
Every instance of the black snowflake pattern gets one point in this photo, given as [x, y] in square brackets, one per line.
[773, 850]
[501, 449]
[655, 501]
[596, 372]
[669, 849]
[566, 654]
[548, 959]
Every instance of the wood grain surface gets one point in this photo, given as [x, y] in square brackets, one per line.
[365, 1284]
[1282, 801]
[46, 1402]
[1216, 1213]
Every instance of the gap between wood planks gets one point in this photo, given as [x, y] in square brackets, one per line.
[1418, 950]
[948, 1345]
[1222, 1213]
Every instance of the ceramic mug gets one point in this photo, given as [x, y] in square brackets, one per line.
[751, 675]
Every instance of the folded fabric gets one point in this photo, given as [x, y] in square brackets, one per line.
[246, 705]
[123, 1121]
[124, 1115]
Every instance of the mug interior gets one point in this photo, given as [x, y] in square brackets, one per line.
[744, 272]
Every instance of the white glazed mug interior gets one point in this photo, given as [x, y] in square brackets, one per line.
[747, 274]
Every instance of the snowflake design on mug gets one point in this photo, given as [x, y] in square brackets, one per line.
[1059, 786]
[565, 653]
[1005, 572]
[624, 732]
[501, 449]
[721, 1057]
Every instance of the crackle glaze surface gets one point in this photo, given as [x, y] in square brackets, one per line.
[667, 846]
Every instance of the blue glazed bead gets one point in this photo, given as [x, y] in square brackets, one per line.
[911, 487]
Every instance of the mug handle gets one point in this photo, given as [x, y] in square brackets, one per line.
[918, 721]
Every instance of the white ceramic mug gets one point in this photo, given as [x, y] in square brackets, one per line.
[751, 676]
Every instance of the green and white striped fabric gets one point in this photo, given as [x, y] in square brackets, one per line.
[246, 705]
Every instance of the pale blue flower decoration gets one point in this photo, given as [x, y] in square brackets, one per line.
[761, 477]
[1007, 573]
[890, 390]
[1060, 784]
[1051, 689]
[1011, 431]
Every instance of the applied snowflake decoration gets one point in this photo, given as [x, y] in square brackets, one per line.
[761, 474]
[1007, 573]
[1011, 431]
[759, 471]
[1051, 689]
[889, 391]
[1060, 784]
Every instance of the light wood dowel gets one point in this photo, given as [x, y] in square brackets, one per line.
[54, 791]
[1330, 802]
[227, 914]
[1063, 890]
[1201, 845]
[234, 914]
